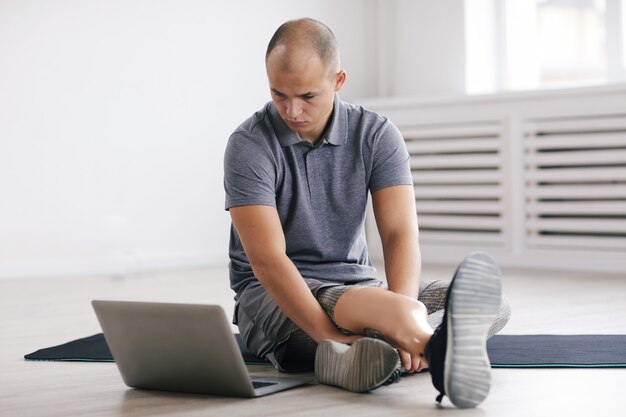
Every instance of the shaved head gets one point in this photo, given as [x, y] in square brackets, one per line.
[302, 64]
[295, 38]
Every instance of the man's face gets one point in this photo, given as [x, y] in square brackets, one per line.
[303, 91]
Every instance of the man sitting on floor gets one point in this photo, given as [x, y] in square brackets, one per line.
[297, 178]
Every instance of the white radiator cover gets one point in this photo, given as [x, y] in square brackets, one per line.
[537, 179]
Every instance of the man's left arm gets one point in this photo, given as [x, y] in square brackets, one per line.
[396, 219]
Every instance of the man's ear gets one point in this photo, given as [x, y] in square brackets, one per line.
[340, 80]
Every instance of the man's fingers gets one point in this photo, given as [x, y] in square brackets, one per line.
[405, 358]
[420, 365]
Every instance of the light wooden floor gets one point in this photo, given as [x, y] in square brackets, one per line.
[40, 313]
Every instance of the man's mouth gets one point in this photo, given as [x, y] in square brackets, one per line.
[296, 123]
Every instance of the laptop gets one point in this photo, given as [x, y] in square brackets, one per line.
[181, 347]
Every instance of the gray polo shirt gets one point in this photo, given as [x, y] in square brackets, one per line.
[320, 192]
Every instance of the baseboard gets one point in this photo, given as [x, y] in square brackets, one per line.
[118, 266]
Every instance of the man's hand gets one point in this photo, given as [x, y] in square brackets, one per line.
[412, 363]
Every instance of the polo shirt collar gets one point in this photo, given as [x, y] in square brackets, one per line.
[335, 134]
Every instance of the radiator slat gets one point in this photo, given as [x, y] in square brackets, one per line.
[583, 192]
[452, 130]
[579, 141]
[599, 226]
[452, 222]
[455, 161]
[462, 238]
[570, 208]
[576, 242]
[602, 174]
[470, 192]
[589, 157]
[460, 207]
[578, 124]
[453, 145]
[457, 177]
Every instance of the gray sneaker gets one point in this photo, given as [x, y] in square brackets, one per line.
[365, 365]
[457, 351]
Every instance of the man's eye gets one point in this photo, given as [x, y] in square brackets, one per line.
[308, 97]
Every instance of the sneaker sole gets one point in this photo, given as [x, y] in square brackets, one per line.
[362, 367]
[473, 305]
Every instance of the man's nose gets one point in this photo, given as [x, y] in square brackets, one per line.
[294, 109]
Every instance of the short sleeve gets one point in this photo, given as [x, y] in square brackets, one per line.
[390, 159]
[249, 172]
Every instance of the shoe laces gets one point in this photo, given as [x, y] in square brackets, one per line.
[395, 377]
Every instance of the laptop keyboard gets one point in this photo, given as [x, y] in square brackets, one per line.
[259, 384]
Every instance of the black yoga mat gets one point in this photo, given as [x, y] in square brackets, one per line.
[505, 351]
[557, 351]
[95, 349]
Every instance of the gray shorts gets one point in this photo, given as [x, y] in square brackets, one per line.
[269, 333]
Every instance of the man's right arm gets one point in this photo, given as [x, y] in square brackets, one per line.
[263, 240]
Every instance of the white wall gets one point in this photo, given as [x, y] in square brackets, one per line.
[114, 116]
[422, 48]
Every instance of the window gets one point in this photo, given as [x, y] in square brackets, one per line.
[530, 44]
[622, 27]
